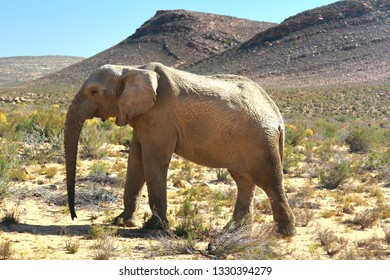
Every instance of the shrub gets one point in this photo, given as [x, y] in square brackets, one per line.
[104, 242]
[332, 243]
[377, 160]
[387, 235]
[97, 231]
[122, 135]
[6, 250]
[4, 175]
[10, 218]
[367, 219]
[9, 163]
[41, 144]
[92, 138]
[105, 248]
[222, 175]
[334, 173]
[72, 246]
[362, 139]
[3, 125]
[190, 226]
[244, 243]
[51, 172]
[295, 134]
[325, 128]
[98, 172]
[291, 159]
[303, 216]
[45, 121]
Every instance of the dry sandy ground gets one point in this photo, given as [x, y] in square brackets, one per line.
[45, 230]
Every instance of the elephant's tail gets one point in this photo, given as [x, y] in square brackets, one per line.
[281, 142]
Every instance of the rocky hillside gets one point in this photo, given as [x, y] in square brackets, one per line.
[174, 38]
[19, 69]
[346, 42]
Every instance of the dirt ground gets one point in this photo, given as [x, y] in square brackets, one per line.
[324, 229]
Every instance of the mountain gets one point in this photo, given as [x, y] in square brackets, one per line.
[345, 43]
[173, 37]
[19, 69]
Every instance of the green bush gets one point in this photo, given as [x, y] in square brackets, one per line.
[363, 139]
[191, 224]
[121, 135]
[377, 160]
[325, 128]
[9, 162]
[92, 139]
[47, 122]
[334, 174]
[4, 177]
[295, 134]
[291, 158]
[98, 172]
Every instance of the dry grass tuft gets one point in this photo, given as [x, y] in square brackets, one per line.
[6, 250]
[332, 243]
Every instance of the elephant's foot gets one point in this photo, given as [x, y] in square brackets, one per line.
[284, 221]
[155, 222]
[286, 229]
[121, 220]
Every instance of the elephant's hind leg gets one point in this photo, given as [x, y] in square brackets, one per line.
[270, 179]
[245, 193]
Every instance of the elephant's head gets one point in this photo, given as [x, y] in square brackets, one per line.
[111, 91]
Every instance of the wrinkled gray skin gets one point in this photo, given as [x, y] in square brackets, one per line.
[221, 121]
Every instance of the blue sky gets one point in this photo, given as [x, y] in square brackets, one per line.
[86, 27]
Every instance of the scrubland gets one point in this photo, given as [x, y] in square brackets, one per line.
[337, 178]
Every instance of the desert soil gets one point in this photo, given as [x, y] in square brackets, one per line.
[45, 228]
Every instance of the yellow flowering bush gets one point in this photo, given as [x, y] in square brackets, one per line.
[3, 118]
[3, 124]
[309, 132]
[92, 122]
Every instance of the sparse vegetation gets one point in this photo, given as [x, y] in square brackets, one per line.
[336, 159]
[334, 174]
[295, 134]
[105, 248]
[104, 242]
[362, 139]
[332, 243]
[316, 155]
[10, 217]
[6, 250]
[243, 242]
[366, 219]
[72, 246]
[97, 231]
[222, 175]
[4, 173]
[387, 235]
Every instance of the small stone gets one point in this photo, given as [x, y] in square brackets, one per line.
[182, 184]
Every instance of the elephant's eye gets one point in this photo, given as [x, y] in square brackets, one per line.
[94, 92]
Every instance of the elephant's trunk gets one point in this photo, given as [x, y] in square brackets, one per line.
[73, 124]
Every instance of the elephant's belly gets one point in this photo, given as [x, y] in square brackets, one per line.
[216, 157]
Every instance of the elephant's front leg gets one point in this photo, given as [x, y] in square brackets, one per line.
[135, 180]
[156, 162]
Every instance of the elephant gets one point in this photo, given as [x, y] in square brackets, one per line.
[218, 121]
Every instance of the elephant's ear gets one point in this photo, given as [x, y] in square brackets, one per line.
[137, 93]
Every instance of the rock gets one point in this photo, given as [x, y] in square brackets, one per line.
[181, 184]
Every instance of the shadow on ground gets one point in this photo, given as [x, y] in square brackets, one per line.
[75, 230]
